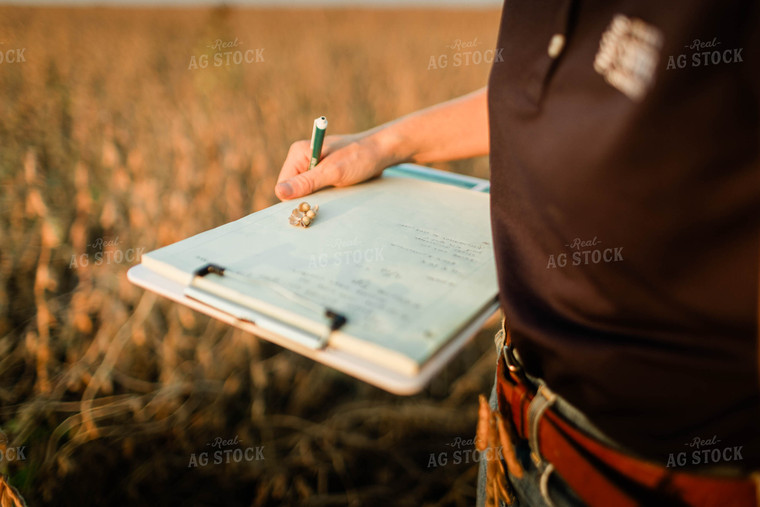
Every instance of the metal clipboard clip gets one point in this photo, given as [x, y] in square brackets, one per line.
[333, 319]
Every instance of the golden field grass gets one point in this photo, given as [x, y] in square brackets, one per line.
[110, 143]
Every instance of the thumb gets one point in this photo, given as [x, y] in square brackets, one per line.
[303, 184]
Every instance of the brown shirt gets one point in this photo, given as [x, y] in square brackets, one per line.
[626, 213]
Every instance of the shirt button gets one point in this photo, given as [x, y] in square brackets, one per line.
[556, 45]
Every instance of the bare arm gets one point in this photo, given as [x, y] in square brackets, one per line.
[451, 130]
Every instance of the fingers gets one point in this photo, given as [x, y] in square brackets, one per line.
[296, 162]
[344, 162]
[302, 184]
[296, 180]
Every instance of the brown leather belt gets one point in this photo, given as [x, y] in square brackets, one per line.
[598, 474]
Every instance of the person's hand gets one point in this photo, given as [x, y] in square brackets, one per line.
[346, 160]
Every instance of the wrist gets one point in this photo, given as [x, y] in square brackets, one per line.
[389, 146]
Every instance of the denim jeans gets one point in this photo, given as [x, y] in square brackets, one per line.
[527, 489]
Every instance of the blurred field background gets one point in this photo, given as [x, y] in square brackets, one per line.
[106, 136]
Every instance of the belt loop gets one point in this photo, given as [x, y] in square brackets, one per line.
[503, 343]
[544, 399]
[541, 402]
[544, 484]
[499, 339]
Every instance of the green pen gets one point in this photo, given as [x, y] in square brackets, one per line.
[317, 138]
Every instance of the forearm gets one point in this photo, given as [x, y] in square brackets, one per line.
[448, 131]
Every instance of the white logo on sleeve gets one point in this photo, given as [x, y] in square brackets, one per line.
[628, 55]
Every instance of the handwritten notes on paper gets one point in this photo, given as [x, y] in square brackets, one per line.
[449, 258]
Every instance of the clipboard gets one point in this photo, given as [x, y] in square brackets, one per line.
[232, 308]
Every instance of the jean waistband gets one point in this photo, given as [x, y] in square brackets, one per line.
[566, 409]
